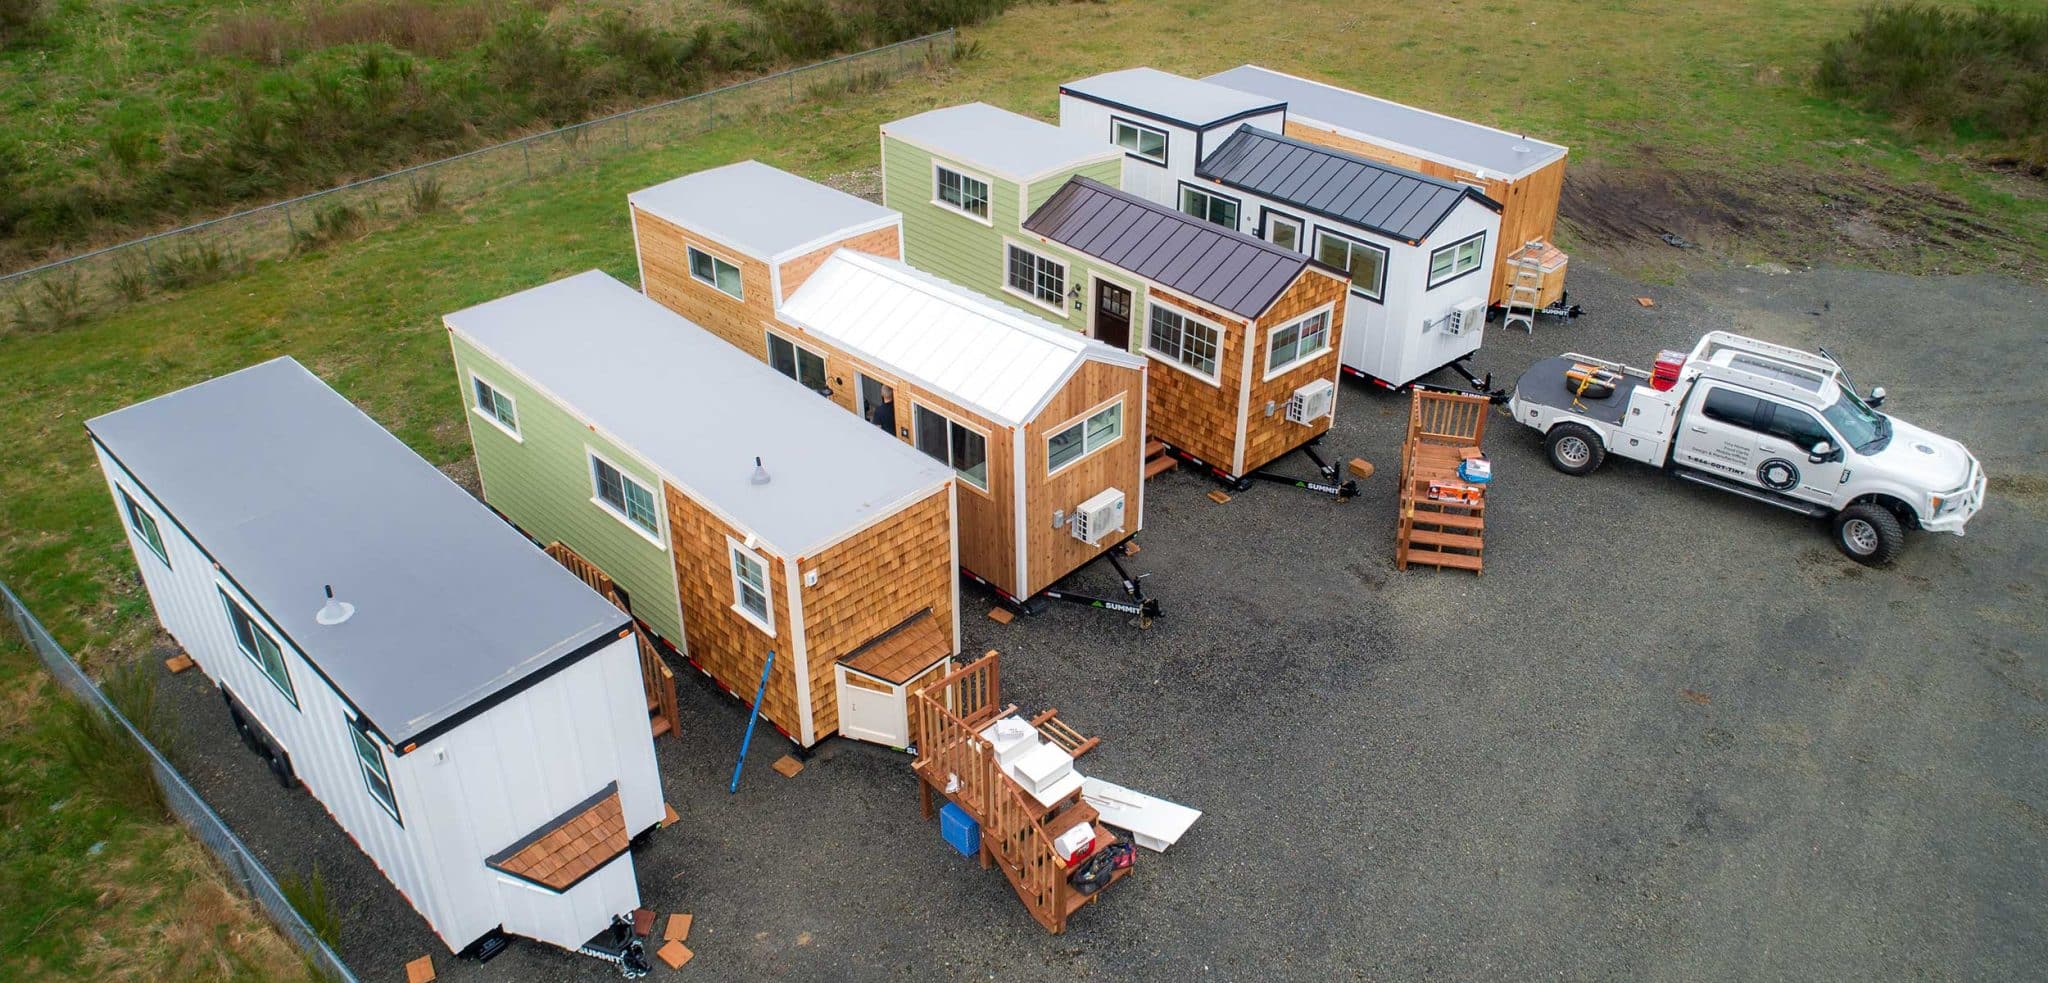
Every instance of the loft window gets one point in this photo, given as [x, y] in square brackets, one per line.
[1366, 262]
[495, 406]
[1208, 206]
[716, 272]
[1036, 277]
[1084, 437]
[1139, 140]
[259, 647]
[1292, 344]
[624, 497]
[1455, 260]
[145, 526]
[1182, 340]
[957, 191]
[954, 445]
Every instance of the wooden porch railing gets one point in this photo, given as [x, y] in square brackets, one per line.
[656, 679]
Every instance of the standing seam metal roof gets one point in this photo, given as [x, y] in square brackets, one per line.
[289, 487]
[1219, 266]
[1389, 200]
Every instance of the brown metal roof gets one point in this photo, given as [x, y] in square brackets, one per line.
[1389, 200]
[571, 847]
[1219, 266]
[904, 652]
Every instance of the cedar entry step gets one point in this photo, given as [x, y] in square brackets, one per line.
[1442, 429]
[1157, 460]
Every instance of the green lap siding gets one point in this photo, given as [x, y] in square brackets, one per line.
[542, 483]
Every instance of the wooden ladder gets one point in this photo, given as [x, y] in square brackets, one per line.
[656, 679]
[1444, 534]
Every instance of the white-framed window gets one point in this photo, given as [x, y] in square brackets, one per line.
[1036, 278]
[960, 192]
[145, 526]
[1138, 140]
[1290, 345]
[1455, 260]
[716, 272]
[1182, 340]
[375, 777]
[492, 404]
[259, 646]
[797, 362]
[1282, 230]
[750, 582]
[1367, 263]
[624, 497]
[1209, 206]
[1084, 436]
[946, 441]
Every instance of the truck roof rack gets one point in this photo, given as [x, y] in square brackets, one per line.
[1776, 369]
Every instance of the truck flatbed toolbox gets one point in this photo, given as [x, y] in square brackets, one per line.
[1545, 384]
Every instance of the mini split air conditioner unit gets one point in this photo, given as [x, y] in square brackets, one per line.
[1312, 402]
[1468, 316]
[1095, 519]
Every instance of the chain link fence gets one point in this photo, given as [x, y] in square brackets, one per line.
[184, 801]
[56, 293]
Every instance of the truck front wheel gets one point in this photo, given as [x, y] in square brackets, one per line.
[1574, 449]
[1869, 533]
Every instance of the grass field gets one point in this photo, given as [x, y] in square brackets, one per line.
[1702, 108]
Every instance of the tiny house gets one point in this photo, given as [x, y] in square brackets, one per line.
[468, 712]
[1165, 125]
[1041, 427]
[739, 514]
[1418, 249]
[1525, 175]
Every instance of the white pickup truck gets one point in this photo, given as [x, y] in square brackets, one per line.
[1771, 423]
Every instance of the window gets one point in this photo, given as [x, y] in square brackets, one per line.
[375, 778]
[1292, 344]
[495, 406]
[1366, 262]
[715, 271]
[1731, 407]
[1182, 340]
[805, 366]
[953, 444]
[963, 194]
[1100, 429]
[750, 587]
[1141, 141]
[1797, 427]
[1283, 231]
[1455, 260]
[144, 526]
[1041, 279]
[626, 498]
[259, 647]
[1208, 206]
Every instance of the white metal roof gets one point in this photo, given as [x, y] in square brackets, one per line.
[700, 410]
[1175, 98]
[291, 488]
[1445, 139]
[999, 141]
[1001, 362]
[760, 210]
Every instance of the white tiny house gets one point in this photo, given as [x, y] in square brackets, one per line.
[1165, 124]
[467, 710]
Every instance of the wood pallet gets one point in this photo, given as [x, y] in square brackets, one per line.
[1442, 428]
[658, 682]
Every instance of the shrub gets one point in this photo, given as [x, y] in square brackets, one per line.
[261, 37]
[20, 21]
[335, 223]
[1981, 73]
[109, 763]
[411, 25]
[190, 264]
[308, 897]
[424, 196]
[56, 300]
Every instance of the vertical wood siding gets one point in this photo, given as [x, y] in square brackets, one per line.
[886, 243]
[665, 269]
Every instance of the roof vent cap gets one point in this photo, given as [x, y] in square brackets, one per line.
[334, 612]
[760, 473]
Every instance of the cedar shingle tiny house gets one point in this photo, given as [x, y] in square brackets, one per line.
[1417, 248]
[1165, 125]
[465, 709]
[1040, 425]
[1523, 174]
[606, 422]
[1243, 335]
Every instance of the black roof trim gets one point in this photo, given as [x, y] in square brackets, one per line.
[1342, 187]
[1163, 118]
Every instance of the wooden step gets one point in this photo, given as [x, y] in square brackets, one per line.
[661, 726]
[1154, 448]
[1160, 465]
[1445, 540]
[1462, 561]
[1449, 520]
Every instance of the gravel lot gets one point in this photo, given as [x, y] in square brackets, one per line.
[1670, 734]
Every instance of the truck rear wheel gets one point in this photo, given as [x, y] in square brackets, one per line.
[1574, 449]
[1870, 534]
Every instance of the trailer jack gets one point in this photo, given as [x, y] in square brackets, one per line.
[1341, 490]
[622, 948]
[1144, 610]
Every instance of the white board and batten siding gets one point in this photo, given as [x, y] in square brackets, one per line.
[464, 791]
[1406, 335]
[1196, 116]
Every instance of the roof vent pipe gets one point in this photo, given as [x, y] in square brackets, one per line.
[334, 612]
[760, 473]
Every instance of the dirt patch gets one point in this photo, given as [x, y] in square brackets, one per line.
[1656, 214]
[863, 183]
[464, 473]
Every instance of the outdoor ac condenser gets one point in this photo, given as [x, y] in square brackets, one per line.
[1098, 517]
[1470, 315]
[1311, 402]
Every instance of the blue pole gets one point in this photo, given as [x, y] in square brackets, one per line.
[753, 715]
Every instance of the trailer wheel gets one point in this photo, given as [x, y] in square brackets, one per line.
[1574, 449]
[1869, 533]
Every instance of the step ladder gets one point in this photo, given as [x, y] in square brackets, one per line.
[1525, 290]
[1442, 427]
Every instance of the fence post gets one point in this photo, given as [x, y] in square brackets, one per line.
[526, 155]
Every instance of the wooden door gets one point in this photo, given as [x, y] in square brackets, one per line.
[1112, 315]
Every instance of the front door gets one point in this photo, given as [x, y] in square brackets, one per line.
[1719, 434]
[878, 404]
[1112, 315]
[1785, 463]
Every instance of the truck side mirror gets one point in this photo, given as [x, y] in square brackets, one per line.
[1821, 453]
[1876, 398]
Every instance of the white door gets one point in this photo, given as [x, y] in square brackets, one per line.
[1785, 460]
[1718, 433]
[872, 710]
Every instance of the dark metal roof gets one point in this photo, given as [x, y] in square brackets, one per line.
[1389, 200]
[1208, 262]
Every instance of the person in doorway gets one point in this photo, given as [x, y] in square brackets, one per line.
[884, 413]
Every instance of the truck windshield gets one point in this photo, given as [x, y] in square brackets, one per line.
[1859, 425]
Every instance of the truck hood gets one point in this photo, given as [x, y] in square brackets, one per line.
[1922, 459]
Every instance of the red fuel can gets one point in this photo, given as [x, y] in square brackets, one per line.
[1664, 374]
